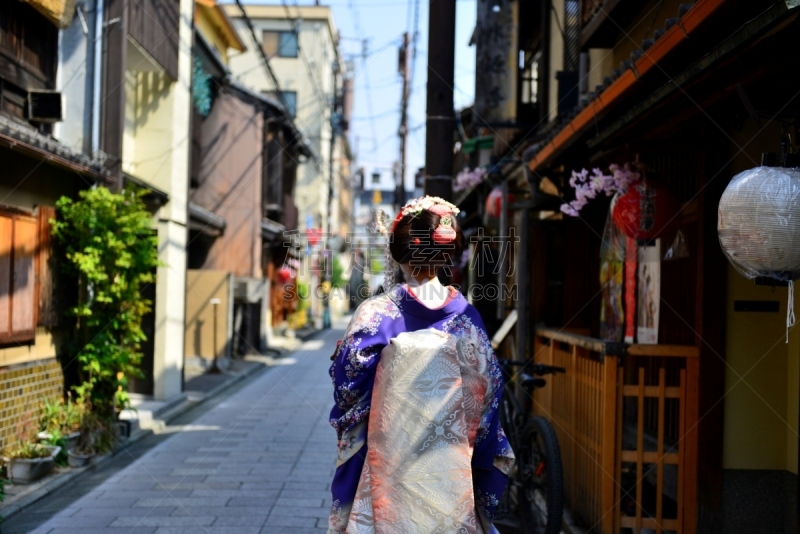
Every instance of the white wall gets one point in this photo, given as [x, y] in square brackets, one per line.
[74, 79]
[156, 144]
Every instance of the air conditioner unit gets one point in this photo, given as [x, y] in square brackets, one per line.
[45, 106]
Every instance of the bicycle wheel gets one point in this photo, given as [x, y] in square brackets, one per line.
[509, 502]
[541, 501]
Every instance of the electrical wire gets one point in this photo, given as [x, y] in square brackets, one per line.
[378, 116]
[318, 93]
[357, 26]
[265, 59]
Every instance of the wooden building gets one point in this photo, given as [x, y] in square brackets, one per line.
[245, 150]
[697, 432]
[44, 152]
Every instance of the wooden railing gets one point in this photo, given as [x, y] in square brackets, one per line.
[626, 419]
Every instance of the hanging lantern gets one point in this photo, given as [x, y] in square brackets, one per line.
[284, 274]
[646, 210]
[759, 226]
[494, 202]
[759, 222]
[313, 235]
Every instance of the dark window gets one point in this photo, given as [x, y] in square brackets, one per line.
[28, 41]
[572, 30]
[28, 52]
[530, 77]
[289, 100]
[281, 44]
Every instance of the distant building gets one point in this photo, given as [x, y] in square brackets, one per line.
[244, 153]
[301, 42]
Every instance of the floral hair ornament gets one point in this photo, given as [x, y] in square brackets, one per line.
[444, 233]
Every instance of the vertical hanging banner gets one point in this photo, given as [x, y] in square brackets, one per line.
[630, 289]
[649, 293]
[612, 313]
[612, 275]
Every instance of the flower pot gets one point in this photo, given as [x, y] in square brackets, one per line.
[71, 440]
[122, 429]
[78, 460]
[25, 471]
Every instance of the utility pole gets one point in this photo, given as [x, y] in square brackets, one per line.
[440, 116]
[404, 67]
[334, 133]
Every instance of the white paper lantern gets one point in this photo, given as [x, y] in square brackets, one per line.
[759, 222]
[759, 225]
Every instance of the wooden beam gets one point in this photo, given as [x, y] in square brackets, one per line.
[627, 81]
[112, 118]
[681, 351]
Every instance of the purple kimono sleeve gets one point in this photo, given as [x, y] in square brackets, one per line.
[353, 376]
[492, 458]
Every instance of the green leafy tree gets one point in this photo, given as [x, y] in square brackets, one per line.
[111, 252]
[337, 273]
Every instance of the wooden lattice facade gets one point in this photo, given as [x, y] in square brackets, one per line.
[626, 423]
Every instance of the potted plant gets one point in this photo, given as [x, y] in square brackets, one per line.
[96, 441]
[28, 462]
[55, 439]
[25, 459]
[60, 422]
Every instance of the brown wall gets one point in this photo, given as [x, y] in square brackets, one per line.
[229, 177]
[201, 287]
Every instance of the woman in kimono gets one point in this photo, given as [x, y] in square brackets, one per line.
[416, 389]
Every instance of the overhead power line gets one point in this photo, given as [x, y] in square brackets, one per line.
[265, 59]
[357, 26]
[318, 93]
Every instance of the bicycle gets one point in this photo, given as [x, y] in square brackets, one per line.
[535, 489]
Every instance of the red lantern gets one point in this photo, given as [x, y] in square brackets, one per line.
[313, 235]
[646, 211]
[494, 202]
[284, 274]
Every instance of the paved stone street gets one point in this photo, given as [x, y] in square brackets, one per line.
[259, 461]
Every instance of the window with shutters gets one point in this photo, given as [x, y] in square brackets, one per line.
[28, 53]
[280, 44]
[19, 241]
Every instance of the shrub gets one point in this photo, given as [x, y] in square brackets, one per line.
[111, 253]
[337, 273]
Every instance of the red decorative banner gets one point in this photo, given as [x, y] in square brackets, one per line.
[630, 289]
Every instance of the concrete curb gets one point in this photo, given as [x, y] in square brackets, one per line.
[49, 484]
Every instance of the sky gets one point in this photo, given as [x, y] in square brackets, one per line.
[378, 85]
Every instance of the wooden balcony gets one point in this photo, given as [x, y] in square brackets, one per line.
[153, 24]
[626, 418]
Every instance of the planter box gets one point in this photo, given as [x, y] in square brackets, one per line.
[79, 460]
[70, 440]
[122, 429]
[25, 471]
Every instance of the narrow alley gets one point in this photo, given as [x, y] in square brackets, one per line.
[259, 461]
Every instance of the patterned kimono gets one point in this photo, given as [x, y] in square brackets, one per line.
[421, 449]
